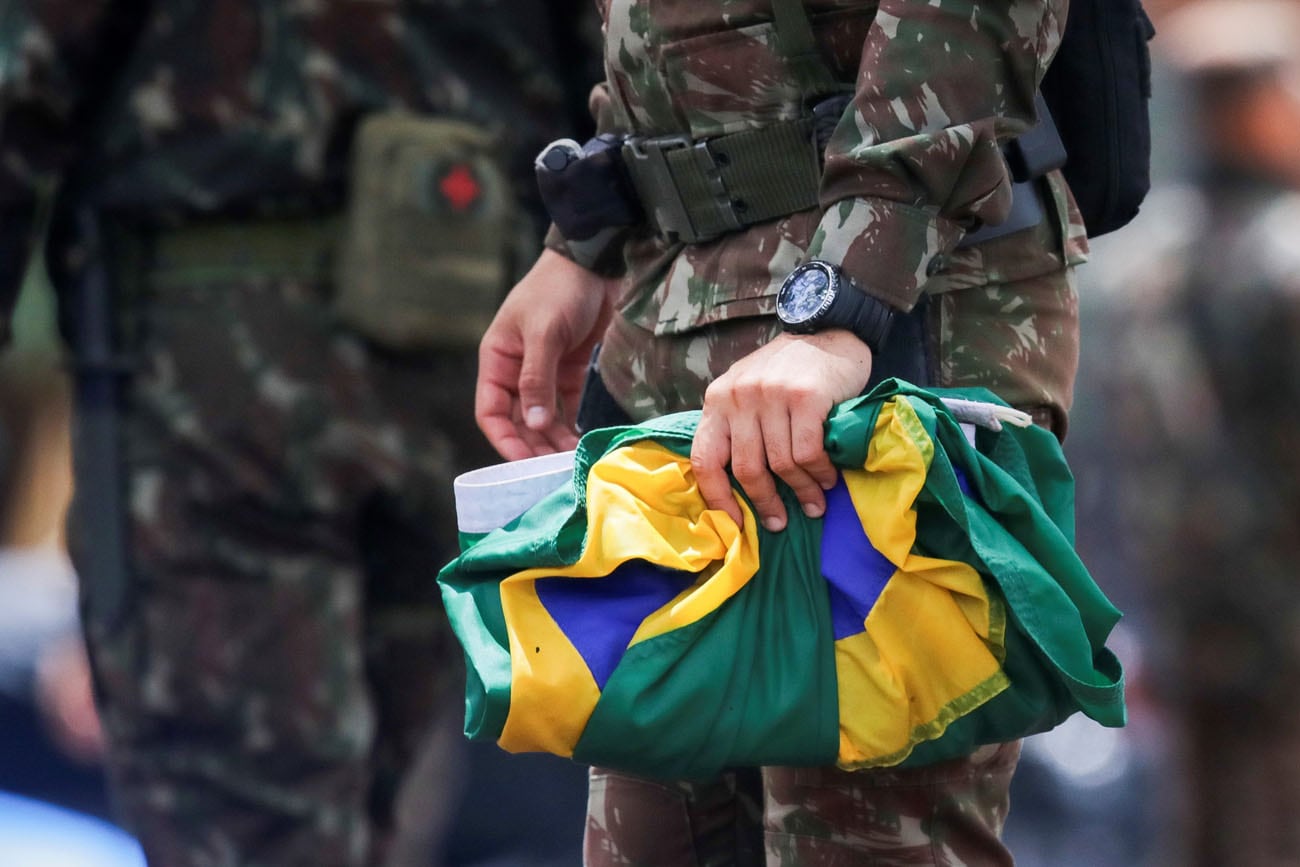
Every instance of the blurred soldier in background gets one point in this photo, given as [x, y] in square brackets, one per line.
[1206, 409]
[277, 231]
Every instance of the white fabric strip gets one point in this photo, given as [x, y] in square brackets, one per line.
[493, 496]
[989, 415]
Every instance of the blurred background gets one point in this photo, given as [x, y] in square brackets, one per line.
[1159, 447]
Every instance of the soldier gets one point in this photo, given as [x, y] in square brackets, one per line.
[278, 229]
[1206, 405]
[688, 308]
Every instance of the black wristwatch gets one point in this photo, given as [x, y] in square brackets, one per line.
[817, 296]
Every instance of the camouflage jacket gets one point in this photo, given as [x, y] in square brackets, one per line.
[914, 163]
[169, 108]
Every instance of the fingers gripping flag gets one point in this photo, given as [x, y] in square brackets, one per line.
[937, 606]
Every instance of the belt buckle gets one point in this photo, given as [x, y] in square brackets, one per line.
[650, 171]
[640, 145]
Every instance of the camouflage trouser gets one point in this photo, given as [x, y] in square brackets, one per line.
[281, 648]
[946, 814]
[1010, 325]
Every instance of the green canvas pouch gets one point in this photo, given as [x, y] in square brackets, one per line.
[431, 234]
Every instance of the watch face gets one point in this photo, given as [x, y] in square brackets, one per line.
[804, 295]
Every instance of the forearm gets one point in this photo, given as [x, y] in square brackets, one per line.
[916, 159]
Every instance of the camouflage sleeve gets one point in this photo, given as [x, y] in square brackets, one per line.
[915, 161]
[50, 53]
[607, 261]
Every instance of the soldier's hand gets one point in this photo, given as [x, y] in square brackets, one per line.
[534, 356]
[766, 414]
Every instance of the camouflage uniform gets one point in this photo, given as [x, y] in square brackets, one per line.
[914, 163]
[278, 650]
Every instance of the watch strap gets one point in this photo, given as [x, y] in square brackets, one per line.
[867, 317]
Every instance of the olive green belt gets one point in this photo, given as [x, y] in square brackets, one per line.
[220, 250]
[694, 191]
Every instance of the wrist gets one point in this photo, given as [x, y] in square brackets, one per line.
[840, 342]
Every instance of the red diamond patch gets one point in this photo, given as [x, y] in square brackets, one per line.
[459, 187]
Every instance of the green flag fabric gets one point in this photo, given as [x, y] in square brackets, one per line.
[938, 605]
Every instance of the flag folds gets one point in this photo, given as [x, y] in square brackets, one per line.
[937, 606]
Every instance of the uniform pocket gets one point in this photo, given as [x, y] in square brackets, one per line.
[431, 240]
[735, 79]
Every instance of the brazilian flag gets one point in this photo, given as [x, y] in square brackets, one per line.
[937, 606]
